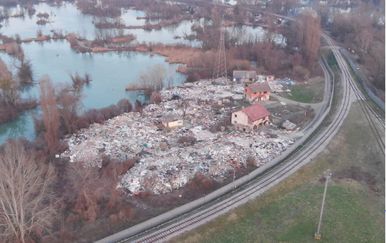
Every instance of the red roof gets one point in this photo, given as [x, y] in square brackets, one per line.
[260, 87]
[255, 112]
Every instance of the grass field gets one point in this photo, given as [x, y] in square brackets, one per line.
[289, 212]
[310, 92]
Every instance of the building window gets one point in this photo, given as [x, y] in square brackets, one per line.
[235, 115]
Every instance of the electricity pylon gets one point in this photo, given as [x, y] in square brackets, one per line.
[220, 68]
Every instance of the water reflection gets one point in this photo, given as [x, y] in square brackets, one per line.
[110, 73]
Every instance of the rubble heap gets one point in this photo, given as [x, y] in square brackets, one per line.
[169, 158]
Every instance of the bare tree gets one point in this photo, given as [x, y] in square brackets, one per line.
[153, 79]
[4, 72]
[9, 93]
[25, 194]
[68, 104]
[50, 114]
[25, 72]
[310, 35]
[92, 189]
[86, 188]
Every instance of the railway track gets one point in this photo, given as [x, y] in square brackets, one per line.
[315, 144]
[253, 188]
[376, 125]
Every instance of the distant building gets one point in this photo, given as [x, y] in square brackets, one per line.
[259, 91]
[251, 117]
[244, 76]
[287, 125]
[263, 78]
[270, 78]
[170, 121]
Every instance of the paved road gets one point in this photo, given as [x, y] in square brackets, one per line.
[315, 106]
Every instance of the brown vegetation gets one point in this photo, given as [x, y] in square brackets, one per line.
[50, 115]
[155, 97]
[310, 25]
[304, 35]
[101, 43]
[70, 121]
[10, 103]
[360, 32]
[24, 72]
[12, 48]
[175, 54]
[150, 80]
[78, 82]
[106, 10]
[68, 102]
[148, 26]
[91, 194]
[26, 208]
[187, 140]
[199, 185]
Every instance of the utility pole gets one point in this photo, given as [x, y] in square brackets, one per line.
[327, 175]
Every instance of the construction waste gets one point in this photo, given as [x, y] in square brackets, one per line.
[168, 158]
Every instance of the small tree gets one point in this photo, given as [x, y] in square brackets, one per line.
[155, 97]
[153, 79]
[68, 104]
[309, 32]
[25, 72]
[9, 93]
[50, 115]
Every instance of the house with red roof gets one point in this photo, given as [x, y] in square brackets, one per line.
[259, 91]
[250, 117]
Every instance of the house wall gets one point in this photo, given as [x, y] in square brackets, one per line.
[258, 96]
[244, 80]
[260, 122]
[173, 124]
[239, 118]
[270, 78]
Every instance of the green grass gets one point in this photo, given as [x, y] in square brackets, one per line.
[289, 212]
[331, 60]
[310, 92]
[301, 93]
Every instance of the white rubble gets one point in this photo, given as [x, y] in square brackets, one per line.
[165, 163]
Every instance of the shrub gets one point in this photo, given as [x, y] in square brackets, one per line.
[155, 97]
[187, 140]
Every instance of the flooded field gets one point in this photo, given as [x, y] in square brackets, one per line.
[66, 18]
[110, 74]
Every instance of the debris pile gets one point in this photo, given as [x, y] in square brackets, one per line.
[169, 157]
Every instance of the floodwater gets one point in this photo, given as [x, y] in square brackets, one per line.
[254, 34]
[66, 18]
[110, 74]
